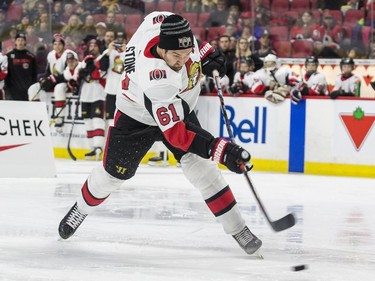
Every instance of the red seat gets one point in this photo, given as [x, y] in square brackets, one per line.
[283, 49]
[100, 18]
[149, 7]
[300, 6]
[352, 17]
[14, 12]
[200, 32]
[132, 22]
[192, 18]
[165, 6]
[336, 14]
[202, 19]
[302, 48]
[280, 6]
[279, 33]
[246, 5]
[215, 32]
[179, 7]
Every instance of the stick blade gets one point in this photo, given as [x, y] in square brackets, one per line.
[284, 223]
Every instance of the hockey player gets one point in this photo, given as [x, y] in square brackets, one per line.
[21, 70]
[159, 90]
[69, 84]
[346, 84]
[56, 60]
[272, 81]
[112, 61]
[92, 100]
[244, 78]
[313, 83]
[3, 72]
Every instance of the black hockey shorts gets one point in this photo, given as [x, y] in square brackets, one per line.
[129, 141]
[93, 109]
[110, 106]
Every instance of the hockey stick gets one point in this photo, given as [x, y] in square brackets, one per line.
[281, 224]
[73, 122]
[53, 120]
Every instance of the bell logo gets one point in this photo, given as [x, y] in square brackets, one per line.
[358, 125]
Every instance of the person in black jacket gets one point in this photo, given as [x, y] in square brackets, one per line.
[22, 70]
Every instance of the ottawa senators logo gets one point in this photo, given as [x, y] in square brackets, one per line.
[195, 72]
[158, 19]
[157, 74]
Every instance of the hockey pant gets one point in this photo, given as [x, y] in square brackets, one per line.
[127, 143]
[37, 94]
[92, 114]
[60, 93]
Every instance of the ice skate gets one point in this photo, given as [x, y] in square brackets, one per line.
[71, 222]
[95, 153]
[160, 160]
[248, 241]
[59, 124]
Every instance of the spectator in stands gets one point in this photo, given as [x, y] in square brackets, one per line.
[208, 6]
[41, 59]
[112, 24]
[110, 6]
[4, 26]
[236, 3]
[329, 36]
[262, 14]
[265, 47]
[243, 79]
[101, 29]
[350, 5]
[224, 44]
[346, 84]
[305, 28]
[329, 4]
[8, 44]
[132, 7]
[89, 26]
[44, 33]
[25, 21]
[243, 52]
[32, 39]
[108, 38]
[68, 12]
[21, 70]
[192, 6]
[355, 53]
[219, 16]
[73, 28]
[29, 6]
[57, 12]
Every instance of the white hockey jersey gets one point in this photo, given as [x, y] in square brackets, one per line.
[116, 68]
[148, 77]
[316, 83]
[248, 78]
[263, 78]
[3, 69]
[348, 85]
[57, 64]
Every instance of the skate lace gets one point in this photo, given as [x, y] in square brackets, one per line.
[244, 236]
[75, 218]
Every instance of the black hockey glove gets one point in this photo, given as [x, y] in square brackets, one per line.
[47, 84]
[214, 60]
[73, 86]
[336, 94]
[295, 96]
[233, 156]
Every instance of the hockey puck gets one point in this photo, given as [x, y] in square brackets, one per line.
[299, 267]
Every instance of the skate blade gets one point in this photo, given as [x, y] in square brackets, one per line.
[158, 163]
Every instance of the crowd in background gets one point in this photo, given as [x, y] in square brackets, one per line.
[244, 30]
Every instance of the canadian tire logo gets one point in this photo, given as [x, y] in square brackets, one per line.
[358, 125]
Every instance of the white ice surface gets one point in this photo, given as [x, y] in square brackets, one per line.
[157, 227]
